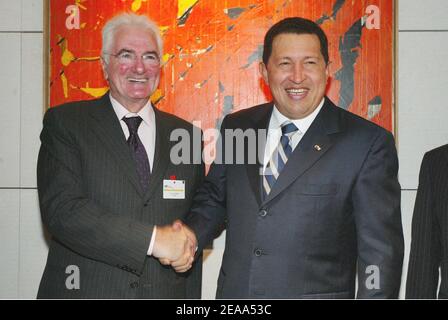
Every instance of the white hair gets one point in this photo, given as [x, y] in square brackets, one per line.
[128, 19]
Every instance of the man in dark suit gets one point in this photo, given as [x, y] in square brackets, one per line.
[106, 180]
[430, 230]
[321, 205]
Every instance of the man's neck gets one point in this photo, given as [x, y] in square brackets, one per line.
[132, 106]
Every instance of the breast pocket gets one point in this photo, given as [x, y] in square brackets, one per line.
[323, 215]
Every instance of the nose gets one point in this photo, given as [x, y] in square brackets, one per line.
[138, 65]
[298, 74]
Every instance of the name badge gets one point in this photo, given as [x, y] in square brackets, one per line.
[173, 189]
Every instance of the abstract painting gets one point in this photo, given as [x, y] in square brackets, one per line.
[212, 50]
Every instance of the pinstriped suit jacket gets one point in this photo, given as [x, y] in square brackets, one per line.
[429, 247]
[93, 206]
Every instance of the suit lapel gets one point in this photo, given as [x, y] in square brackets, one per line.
[161, 154]
[107, 128]
[314, 144]
[254, 174]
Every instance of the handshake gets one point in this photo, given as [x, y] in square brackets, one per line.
[175, 245]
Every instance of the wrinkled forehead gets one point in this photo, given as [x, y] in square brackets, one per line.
[297, 44]
[134, 38]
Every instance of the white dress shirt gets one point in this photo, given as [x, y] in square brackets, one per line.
[146, 132]
[275, 130]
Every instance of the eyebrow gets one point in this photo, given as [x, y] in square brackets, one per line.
[132, 51]
[304, 58]
[125, 50]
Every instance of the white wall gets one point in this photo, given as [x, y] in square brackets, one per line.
[422, 69]
[22, 245]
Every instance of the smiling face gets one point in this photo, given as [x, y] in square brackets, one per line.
[296, 74]
[132, 84]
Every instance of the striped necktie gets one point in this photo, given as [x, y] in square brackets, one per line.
[279, 158]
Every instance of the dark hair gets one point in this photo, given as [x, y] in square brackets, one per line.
[298, 26]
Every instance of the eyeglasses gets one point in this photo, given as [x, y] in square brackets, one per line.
[129, 58]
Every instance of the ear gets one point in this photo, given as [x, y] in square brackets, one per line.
[104, 67]
[263, 72]
[327, 69]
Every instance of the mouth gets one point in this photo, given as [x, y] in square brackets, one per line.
[297, 93]
[136, 80]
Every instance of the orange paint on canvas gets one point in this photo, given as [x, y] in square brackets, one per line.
[212, 53]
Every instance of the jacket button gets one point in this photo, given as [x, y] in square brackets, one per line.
[134, 285]
[263, 213]
[146, 204]
[258, 252]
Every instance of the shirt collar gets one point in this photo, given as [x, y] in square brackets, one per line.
[146, 113]
[303, 125]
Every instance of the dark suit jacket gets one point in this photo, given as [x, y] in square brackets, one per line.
[94, 208]
[331, 211]
[429, 247]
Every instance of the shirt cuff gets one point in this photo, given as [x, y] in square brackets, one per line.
[153, 238]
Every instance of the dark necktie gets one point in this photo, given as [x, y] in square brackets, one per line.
[279, 158]
[138, 151]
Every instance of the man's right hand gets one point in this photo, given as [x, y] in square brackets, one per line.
[175, 245]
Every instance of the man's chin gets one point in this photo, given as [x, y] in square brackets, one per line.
[139, 97]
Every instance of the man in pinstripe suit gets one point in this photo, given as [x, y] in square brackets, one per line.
[428, 261]
[104, 173]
